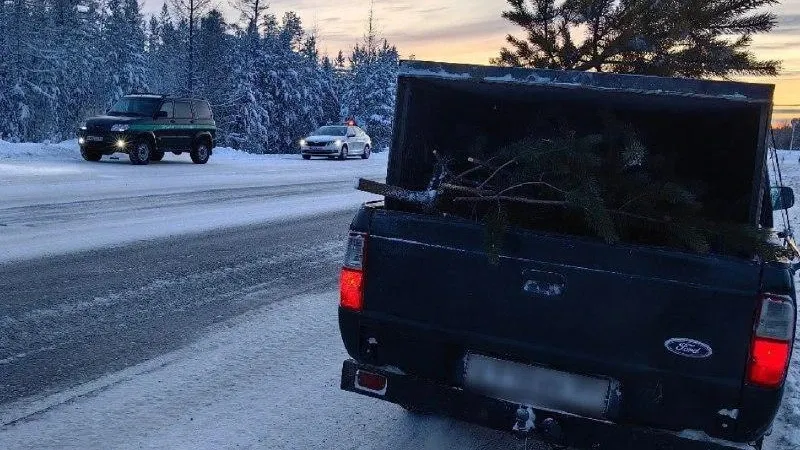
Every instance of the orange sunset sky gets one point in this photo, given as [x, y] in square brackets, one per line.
[472, 31]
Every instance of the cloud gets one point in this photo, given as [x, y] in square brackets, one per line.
[787, 24]
[458, 32]
[786, 111]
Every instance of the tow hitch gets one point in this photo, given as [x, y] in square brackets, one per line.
[525, 427]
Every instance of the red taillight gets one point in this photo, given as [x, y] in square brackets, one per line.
[372, 382]
[768, 362]
[772, 342]
[350, 288]
[351, 281]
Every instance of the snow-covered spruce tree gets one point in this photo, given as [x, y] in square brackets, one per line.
[247, 122]
[189, 12]
[213, 53]
[43, 67]
[123, 48]
[691, 38]
[15, 93]
[371, 89]
[168, 56]
[368, 88]
[332, 106]
[292, 83]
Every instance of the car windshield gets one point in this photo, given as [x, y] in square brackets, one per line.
[330, 131]
[135, 106]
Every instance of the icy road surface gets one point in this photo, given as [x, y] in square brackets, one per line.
[53, 202]
[179, 306]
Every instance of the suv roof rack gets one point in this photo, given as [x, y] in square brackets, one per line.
[146, 94]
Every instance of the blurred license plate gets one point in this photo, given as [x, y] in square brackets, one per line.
[94, 138]
[538, 387]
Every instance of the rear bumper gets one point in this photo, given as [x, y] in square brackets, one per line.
[558, 428]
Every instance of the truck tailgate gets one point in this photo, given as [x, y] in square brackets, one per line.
[575, 305]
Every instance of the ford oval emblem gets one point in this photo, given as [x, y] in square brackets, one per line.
[689, 348]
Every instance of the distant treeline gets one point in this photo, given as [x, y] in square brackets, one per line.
[65, 60]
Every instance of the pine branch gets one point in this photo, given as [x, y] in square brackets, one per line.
[531, 183]
[498, 198]
[499, 169]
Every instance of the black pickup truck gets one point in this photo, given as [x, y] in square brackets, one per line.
[574, 340]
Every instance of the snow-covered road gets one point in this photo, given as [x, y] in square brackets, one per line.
[199, 312]
[53, 202]
[267, 379]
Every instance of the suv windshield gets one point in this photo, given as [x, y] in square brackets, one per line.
[135, 106]
[330, 131]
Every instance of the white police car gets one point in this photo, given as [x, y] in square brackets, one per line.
[337, 141]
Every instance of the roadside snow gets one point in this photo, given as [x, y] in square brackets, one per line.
[53, 202]
[786, 432]
[31, 151]
[269, 379]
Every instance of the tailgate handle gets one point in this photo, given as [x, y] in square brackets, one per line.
[544, 284]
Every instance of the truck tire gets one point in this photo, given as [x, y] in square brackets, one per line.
[200, 153]
[343, 153]
[156, 156]
[90, 155]
[367, 152]
[140, 153]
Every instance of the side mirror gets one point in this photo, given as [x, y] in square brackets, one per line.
[161, 115]
[782, 197]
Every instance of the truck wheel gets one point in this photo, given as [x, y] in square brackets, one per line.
[200, 153]
[140, 153]
[367, 152]
[90, 156]
[343, 153]
[156, 156]
[306, 156]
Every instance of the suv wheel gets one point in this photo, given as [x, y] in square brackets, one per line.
[90, 155]
[156, 156]
[366, 153]
[343, 153]
[200, 153]
[140, 153]
[306, 156]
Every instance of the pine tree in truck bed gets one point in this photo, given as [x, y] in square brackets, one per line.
[607, 185]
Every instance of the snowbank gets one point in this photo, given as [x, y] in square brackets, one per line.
[33, 151]
[68, 150]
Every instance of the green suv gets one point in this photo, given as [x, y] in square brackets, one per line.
[145, 126]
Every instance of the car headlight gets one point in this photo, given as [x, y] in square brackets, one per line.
[83, 127]
[302, 142]
[119, 127]
[338, 142]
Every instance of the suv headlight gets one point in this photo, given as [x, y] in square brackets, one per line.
[119, 127]
[302, 142]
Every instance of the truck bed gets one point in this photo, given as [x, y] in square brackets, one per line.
[432, 297]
